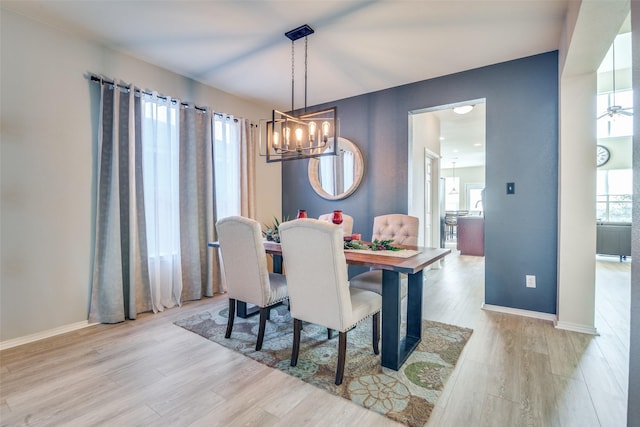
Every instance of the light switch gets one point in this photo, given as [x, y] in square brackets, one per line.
[511, 188]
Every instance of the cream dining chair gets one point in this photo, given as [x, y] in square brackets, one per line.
[347, 222]
[318, 284]
[244, 263]
[403, 230]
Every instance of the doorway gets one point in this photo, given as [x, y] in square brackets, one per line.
[446, 167]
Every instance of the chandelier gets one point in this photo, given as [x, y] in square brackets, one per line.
[299, 135]
[453, 190]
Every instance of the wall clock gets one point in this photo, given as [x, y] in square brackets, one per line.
[602, 155]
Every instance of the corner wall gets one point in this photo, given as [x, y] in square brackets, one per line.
[577, 226]
[521, 147]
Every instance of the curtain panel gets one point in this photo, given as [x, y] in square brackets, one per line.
[120, 287]
[201, 269]
[160, 157]
[248, 144]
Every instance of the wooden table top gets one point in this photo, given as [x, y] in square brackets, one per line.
[426, 256]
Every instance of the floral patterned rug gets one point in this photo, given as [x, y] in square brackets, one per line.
[407, 396]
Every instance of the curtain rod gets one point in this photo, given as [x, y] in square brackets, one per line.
[100, 79]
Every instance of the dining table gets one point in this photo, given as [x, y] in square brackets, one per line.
[396, 347]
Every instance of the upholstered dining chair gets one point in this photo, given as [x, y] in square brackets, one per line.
[244, 263]
[403, 230]
[347, 222]
[319, 291]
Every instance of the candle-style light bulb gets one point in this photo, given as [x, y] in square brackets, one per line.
[298, 139]
[276, 140]
[312, 132]
[325, 131]
[287, 135]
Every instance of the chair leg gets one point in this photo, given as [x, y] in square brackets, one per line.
[342, 352]
[264, 314]
[376, 332]
[231, 316]
[329, 333]
[297, 326]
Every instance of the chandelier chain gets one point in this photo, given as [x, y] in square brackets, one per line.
[292, 72]
[306, 41]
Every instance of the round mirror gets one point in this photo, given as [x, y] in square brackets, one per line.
[337, 177]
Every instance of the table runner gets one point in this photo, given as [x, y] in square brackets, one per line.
[405, 253]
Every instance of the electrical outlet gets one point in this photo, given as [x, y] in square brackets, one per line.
[531, 281]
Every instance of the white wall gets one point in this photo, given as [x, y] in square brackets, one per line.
[621, 149]
[47, 167]
[590, 28]
[577, 177]
[424, 136]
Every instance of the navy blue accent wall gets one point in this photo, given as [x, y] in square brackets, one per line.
[521, 147]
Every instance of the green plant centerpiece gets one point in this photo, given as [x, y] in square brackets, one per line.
[376, 245]
[270, 231]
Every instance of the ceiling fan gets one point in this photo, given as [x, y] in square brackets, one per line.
[615, 110]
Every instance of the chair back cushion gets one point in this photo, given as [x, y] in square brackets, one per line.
[244, 259]
[347, 222]
[402, 229]
[313, 254]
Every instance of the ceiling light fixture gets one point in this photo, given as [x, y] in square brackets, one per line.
[453, 190]
[463, 109]
[614, 111]
[300, 135]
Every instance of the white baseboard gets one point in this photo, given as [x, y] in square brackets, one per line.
[44, 334]
[575, 327]
[520, 312]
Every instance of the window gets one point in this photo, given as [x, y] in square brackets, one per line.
[614, 190]
[160, 176]
[226, 163]
[452, 193]
[474, 198]
[621, 125]
[160, 142]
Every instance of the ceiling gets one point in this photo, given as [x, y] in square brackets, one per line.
[462, 136]
[358, 46]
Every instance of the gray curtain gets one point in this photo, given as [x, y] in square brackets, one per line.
[120, 287]
[248, 144]
[200, 268]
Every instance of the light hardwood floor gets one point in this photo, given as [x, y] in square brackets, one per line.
[514, 371]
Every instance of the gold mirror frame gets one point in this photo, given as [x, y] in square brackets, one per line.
[314, 175]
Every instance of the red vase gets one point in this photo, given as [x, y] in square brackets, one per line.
[337, 217]
[302, 213]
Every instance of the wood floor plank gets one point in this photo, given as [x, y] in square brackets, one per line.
[467, 400]
[287, 393]
[538, 396]
[562, 356]
[500, 412]
[534, 338]
[572, 403]
[606, 394]
[114, 413]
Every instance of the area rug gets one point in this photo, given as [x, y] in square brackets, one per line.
[407, 396]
